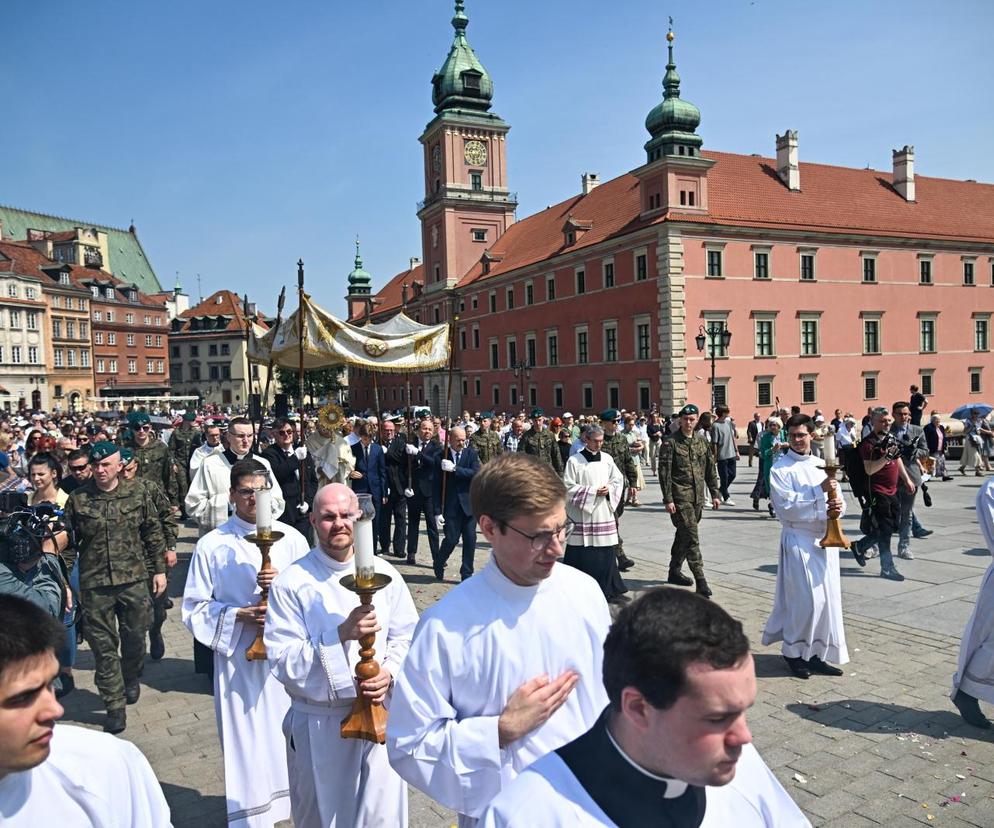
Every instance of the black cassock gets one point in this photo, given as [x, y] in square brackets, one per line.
[285, 470]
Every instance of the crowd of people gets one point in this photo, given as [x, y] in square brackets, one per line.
[517, 672]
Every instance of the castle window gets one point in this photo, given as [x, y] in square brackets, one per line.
[476, 181]
[479, 235]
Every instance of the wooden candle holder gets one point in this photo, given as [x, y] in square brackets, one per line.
[367, 720]
[257, 652]
[834, 536]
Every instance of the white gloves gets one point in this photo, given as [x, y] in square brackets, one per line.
[303, 508]
[408, 492]
[412, 449]
[440, 521]
[448, 466]
[301, 453]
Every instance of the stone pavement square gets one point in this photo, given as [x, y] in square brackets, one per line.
[882, 745]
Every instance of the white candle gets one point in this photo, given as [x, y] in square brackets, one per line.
[363, 540]
[828, 448]
[263, 511]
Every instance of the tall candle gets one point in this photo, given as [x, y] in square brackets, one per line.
[828, 447]
[264, 511]
[362, 538]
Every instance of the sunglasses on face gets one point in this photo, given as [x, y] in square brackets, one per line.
[77, 469]
[143, 428]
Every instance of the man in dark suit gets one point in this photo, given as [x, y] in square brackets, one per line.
[416, 462]
[370, 475]
[457, 466]
[289, 462]
[396, 506]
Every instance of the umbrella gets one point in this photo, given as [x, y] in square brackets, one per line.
[964, 412]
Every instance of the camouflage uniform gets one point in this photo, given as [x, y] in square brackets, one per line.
[181, 447]
[541, 444]
[487, 444]
[170, 530]
[617, 447]
[688, 478]
[155, 462]
[119, 541]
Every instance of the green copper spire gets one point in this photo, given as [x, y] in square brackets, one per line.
[462, 82]
[673, 122]
[359, 280]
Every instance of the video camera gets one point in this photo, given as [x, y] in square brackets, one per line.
[23, 531]
[885, 445]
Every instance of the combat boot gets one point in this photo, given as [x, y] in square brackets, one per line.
[132, 690]
[678, 578]
[703, 588]
[156, 644]
[116, 721]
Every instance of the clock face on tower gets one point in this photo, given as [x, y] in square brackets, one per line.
[436, 158]
[475, 153]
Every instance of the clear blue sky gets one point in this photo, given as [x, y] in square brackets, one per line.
[241, 136]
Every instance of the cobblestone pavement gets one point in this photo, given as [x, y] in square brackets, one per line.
[882, 745]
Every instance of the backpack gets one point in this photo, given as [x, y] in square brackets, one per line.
[859, 482]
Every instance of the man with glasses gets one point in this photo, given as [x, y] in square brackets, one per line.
[221, 609]
[152, 455]
[507, 666]
[289, 462]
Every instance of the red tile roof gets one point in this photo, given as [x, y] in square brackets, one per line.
[391, 296]
[220, 303]
[17, 257]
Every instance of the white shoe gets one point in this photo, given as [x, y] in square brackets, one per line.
[871, 553]
[906, 554]
[729, 502]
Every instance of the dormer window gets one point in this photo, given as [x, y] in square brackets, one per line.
[133, 295]
[108, 293]
[471, 81]
[64, 279]
[219, 300]
[95, 291]
[570, 237]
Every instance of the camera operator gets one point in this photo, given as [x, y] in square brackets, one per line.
[881, 456]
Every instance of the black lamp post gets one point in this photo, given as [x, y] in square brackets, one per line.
[709, 337]
[522, 370]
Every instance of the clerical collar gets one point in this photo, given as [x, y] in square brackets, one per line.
[798, 456]
[233, 458]
[592, 457]
[628, 794]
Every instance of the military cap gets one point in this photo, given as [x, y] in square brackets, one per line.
[127, 455]
[138, 418]
[103, 450]
[190, 416]
[610, 414]
[487, 415]
[688, 409]
[537, 412]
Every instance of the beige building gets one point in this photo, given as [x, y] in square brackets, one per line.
[23, 323]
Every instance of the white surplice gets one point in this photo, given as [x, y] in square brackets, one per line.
[807, 604]
[975, 673]
[89, 778]
[208, 498]
[471, 652]
[549, 795]
[593, 514]
[201, 453]
[248, 701]
[335, 781]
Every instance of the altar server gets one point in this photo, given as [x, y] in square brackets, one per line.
[507, 666]
[55, 774]
[312, 633]
[673, 748]
[807, 604]
[221, 609]
[974, 677]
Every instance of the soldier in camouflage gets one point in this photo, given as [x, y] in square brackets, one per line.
[617, 447]
[688, 478]
[170, 529]
[181, 447]
[486, 441]
[155, 462]
[541, 443]
[119, 541]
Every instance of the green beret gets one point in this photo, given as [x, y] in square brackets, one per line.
[138, 418]
[537, 412]
[103, 450]
[688, 409]
[610, 414]
[127, 455]
[190, 416]
[487, 415]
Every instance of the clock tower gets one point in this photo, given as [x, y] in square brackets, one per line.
[467, 206]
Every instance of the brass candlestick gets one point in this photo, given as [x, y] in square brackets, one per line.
[264, 540]
[367, 720]
[834, 535]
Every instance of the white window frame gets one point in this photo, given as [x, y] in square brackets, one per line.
[764, 317]
[762, 250]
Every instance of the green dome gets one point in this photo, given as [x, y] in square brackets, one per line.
[462, 82]
[359, 280]
[673, 122]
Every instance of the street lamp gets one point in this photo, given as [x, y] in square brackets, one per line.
[710, 336]
[522, 370]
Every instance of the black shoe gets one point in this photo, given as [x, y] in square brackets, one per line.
[816, 665]
[769, 508]
[116, 721]
[891, 575]
[625, 563]
[410, 560]
[678, 578]
[946, 479]
[858, 553]
[131, 693]
[798, 666]
[703, 588]
[66, 685]
[168, 604]
[924, 533]
[755, 504]
[439, 573]
[156, 646]
[969, 709]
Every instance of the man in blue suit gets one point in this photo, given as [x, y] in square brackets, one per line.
[370, 475]
[457, 466]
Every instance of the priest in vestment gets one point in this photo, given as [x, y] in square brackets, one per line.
[312, 633]
[807, 604]
[220, 607]
[506, 666]
[52, 774]
[594, 488]
[974, 679]
[664, 753]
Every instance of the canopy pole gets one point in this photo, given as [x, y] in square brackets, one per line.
[301, 333]
[269, 370]
[248, 368]
[376, 395]
[448, 384]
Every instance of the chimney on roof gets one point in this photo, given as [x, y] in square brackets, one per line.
[787, 167]
[589, 181]
[904, 172]
[415, 261]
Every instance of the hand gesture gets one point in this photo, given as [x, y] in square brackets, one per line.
[440, 521]
[300, 453]
[408, 492]
[361, 621]
[411, 449]
[375, 689]
[532, 704]
[448, 466]
[158, 584]
[265, 577]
